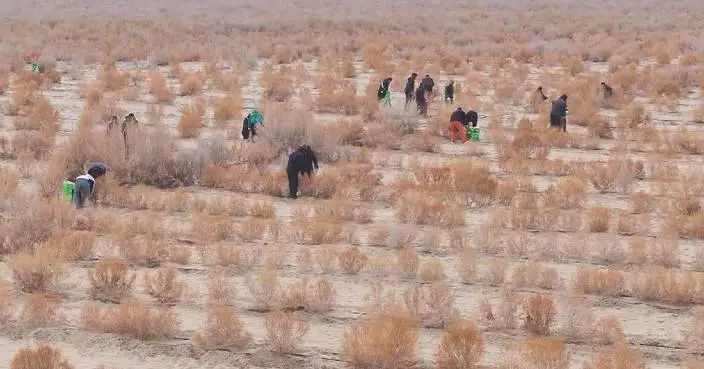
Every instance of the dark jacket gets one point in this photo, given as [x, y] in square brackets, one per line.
[559, 108]
[420, 97]
[472, 118]
[383, 88]
[410, 85]
[450, 91]
[459, 116]
[428, 84]
[302, 161]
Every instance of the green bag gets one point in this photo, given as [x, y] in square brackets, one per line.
[67, 190]
[255, 117]
[35, 67]
[473, 134]
[387, 98]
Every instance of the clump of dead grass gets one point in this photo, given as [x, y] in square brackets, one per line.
[110, 280]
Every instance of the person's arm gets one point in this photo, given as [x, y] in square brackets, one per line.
[314, 159]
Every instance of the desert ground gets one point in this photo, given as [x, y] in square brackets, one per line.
[529, 248]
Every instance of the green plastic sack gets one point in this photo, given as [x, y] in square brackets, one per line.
[387, 98]
[67, 190]
[35, 67]
[473, 134]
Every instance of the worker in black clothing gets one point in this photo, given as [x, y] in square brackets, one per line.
[428, 84]
[302, 161]
[450, 93]
[410, 87]
[383, 88]
[558, 113]
[458, 120]
[421, 101]
[608, 91]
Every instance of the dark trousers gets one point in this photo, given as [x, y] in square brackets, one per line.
[292, 182]
[81, 192]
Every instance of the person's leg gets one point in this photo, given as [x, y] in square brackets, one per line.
[292, 183]
[79, 193]
[453, 135]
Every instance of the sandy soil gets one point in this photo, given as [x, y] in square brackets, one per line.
[655, 329]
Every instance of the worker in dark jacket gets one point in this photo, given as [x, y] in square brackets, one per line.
[302, 161]
[421, 101]
[410, 88]
[84, 185]
[383, 88]
[428, 83]
[450, 93]
[558, 113]
[608, 91]
[457, 122]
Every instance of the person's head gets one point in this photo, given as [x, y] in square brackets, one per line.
[427, 76]
[114, 118]
[564, 97]
[540, 88]
[414, 75]
[390, 79]
[452, 82]
[603, 83]
[459, 108]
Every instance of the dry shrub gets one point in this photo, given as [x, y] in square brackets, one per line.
[419, 209]
[617, 356]
[532, 274]
[352, 261]
[509, 306]
[222, 330]
[252, 229]
[264, 288]
[277, 85]
[573, 65]
[41, 357]
[608, 331]
[641, 202]
[212, 228]
[634, 116]
[74, 245]
[327, 259]
[537, 353]
[237, 259]
[568, 194]
[467, 265]
[665, 252]
[285, 330]
[150, 250]
[496, 272]
[192, 83]
[430, 271]
[158, 87]
[191, 121]
[607, 282]
[110, 280]
[462, 347]
[598, 219]
[655, 283]
[164, 286]
[132, 318]
[320, 296]
[540, 314]
[38, 271]
[578, 320]
[336, 96]
[112, 79]
[386, 341]
[39, 310]
[612, 176]
[637, 251]
[227, 108]
[407, 261]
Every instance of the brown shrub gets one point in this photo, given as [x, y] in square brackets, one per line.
[620, 355]
[110, 280]
[191, 121]
[388, 340]
[41, 357]
[164, 286]
[264, 288]
[655, 283]
[568, 194]
[431, 270]
[537, 353]
[133, 319]
[599, 281]
[641, 202]
[192, 83]
[578, 319]
[540, 314]
[665, 252]
[462, 347]
[39, 310]
[227, 108]
[150, 250]
[598, 219]
[222, 330]
[158, 88]
[608, 331]
[112, 79]
[285, 330]
[38, 271]
[532, 274]
[407, 261]
[320, 296]
[74, 245]
[352, 261]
